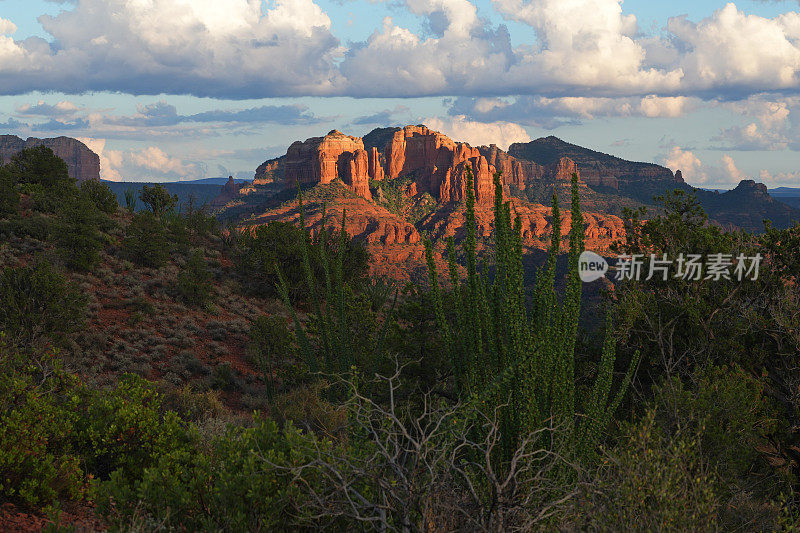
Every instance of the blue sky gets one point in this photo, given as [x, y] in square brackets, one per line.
[182, 89]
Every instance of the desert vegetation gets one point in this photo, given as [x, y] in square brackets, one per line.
[159, 373]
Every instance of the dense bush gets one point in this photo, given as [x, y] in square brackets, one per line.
[40, 166]
[146, 241]
[125, 430]
[38, 414]
[279, 244]
[100, 195]
[652, 482]
[9, 197]
[731, 415]
[194, 281]
[56, 434]
[270, 344]
[38, 304]
[231, 484]
[158, 199]
[78, 235]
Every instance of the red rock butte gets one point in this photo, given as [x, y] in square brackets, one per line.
[82, 163]
[437, 164]
[432, 169]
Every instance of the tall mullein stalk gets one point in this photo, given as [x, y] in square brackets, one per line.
[524, 366]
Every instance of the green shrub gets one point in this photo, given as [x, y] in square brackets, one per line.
[157, 199]
[36, 226]
[37, 304]
[78, 237]
[194, 282]
[38, 415]
[223, 377]
[270, 341]
[280, 244]
[728, 410]
[100, 195]
[652, 482]
[126, 430]
[39, 165]
[230, 485]
[130, 199]
[200, 222]
[9, 197]
[146, 241]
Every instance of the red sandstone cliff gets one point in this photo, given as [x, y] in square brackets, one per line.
[324, 159]
[82, 163]
[437, 164]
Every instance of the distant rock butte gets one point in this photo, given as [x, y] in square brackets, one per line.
[324, 159]
[82, 163]
[229, 192]
[437, 164]
[432, 163]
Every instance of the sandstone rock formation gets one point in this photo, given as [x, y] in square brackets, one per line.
[324, 159]
[437, 164]
[596, 168]
[270, 171]
[537, 227]
[229, 192]
[82, 163]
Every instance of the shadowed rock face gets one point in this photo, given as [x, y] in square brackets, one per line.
[596, 168]
[82, 163]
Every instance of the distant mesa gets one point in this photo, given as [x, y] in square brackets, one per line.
[82, 163]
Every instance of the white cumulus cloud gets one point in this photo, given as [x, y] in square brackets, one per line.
[460, 129]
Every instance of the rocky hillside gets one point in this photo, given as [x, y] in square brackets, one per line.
[82, 163]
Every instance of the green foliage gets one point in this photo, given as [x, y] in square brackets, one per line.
[36, 226]
[270, 341]
[9, 197]
[38, 304]
[38, 412]
[223, 377]
[327, 292]
[130, 199]
[524, 366]
[682, 324]
[782, 247]
[78, 235]
[100, 195]
[56, 433]
[278, 244]
[653, 483]
[199, 221]
[157, 199]
[125, 430]
[40, 166]
[146, 241]
[728, 411]
[195, 285]
[238, 482]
